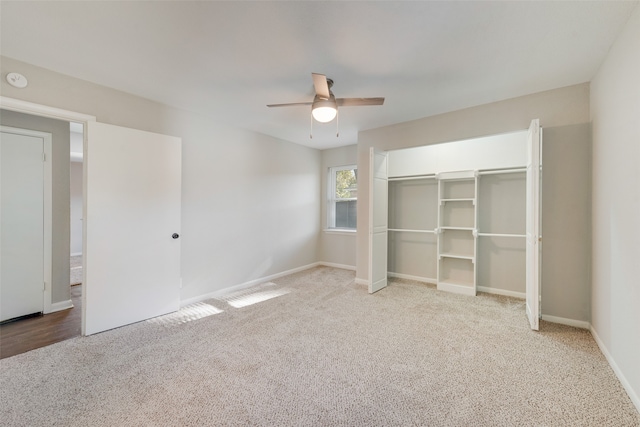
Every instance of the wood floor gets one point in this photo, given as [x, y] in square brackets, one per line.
[28, 334]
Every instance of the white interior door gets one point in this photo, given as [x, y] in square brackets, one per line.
[132, 210]
[378, 215]
[534, 140]
[22, 217]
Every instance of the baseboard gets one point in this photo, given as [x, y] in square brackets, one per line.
[234, 288]
[334, 265]
[633, 395]
[569, 322]
[496, 291]
[76, 254]
[363, 282]
[410, 277]
[59, 306]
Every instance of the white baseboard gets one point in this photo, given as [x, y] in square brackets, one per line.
[76, 254]
[360, 281]
[234, 288]
[456, 288]
[59, 306]
[334, 265]
[496, 291]
[633, 395]
[410, 277]
[569, 322]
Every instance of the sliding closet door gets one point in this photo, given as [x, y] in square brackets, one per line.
[132, 226]
[378, 215]
[534, 142]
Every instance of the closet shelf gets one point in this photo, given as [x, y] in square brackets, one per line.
[457, 221]
[463, 199]
[411, 178]
[500, 235]
[458, 256]
[449, 227]
[407, 230]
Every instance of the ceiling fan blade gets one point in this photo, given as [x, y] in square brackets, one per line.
[291, 104]
[321, 85]
[354, 102]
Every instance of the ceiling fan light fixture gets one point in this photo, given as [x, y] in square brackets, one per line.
[324, 110]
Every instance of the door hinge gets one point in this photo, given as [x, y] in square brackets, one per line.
[44, 156]
[44, 286]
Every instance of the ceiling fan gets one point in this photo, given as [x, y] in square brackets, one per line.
[324, 106]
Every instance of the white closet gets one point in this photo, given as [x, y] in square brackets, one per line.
[464, 215]
[457, 231]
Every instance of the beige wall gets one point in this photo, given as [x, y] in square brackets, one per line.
[615, 294]
[566, 222]
[75, 220]
[336, 247]
[564, 115]
[250, 203]
[60, 194]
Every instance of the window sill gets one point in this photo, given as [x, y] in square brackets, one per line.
[343, 231]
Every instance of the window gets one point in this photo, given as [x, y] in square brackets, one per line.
[343, 196]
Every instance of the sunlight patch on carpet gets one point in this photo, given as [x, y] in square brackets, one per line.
[256, 298]
[254, 295]
[186, 314]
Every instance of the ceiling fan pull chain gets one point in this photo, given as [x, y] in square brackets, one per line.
[311, 126]
[337, 123]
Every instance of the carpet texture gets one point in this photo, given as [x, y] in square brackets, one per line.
[75, 275]
[314, 349]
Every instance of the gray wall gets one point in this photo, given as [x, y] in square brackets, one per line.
[336, 247]
[563, 295]
[566, 221]
[250, 203]
[60, 194]
[615, 294]
[75, 178]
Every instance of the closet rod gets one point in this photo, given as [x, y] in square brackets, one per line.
[411, 231]
[497, 171]
[410, 178]
[500, 235]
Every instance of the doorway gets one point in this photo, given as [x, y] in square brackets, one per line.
[49, 314]
[76, 158]
[131, 223]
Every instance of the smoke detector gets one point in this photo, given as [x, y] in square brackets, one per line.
[17, 80]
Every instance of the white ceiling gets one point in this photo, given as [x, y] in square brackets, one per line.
[228, 60]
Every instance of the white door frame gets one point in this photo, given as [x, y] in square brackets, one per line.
[33, 109]
[48, 210]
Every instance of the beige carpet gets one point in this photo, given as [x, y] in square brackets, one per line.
[314, 349]
[75, 274]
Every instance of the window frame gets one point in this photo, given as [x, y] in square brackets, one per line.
[332, 199]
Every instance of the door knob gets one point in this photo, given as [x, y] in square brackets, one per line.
[175, 235]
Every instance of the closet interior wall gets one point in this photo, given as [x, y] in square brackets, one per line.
[501, 207]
